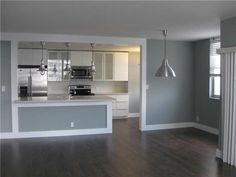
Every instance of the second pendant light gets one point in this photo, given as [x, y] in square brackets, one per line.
[165, 69]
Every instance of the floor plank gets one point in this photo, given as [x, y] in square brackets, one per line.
[125, 153]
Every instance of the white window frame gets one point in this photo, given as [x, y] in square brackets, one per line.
[211, 84]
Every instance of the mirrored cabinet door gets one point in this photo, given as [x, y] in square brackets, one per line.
[56, 63]
[99, 66]
[54, 70]
[109, 66]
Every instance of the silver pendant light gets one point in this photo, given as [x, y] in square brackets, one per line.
[93, 68]
[165, 69]
[68, 68]
[42, 69]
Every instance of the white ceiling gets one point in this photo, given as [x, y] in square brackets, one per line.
[184, 20]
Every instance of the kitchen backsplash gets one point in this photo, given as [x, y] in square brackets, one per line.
[98, 87]
[57, 87]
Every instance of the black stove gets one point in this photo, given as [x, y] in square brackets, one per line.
[80, 90]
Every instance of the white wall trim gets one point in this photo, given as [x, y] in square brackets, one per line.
[14, 53]
[206, 128]
[183, 125]
[54, 133]
[11, 135]
[130, 115]
[143, 83]
[168, 126]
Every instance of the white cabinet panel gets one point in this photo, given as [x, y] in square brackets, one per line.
[120, 106]
[99, 66]
[109, 66]
[104, 63]
[87, 58]
[81, 58]
[121, 66]
[76, 58]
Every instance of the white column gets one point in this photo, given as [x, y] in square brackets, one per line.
[14, 52]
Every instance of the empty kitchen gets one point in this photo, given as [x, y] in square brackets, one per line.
[84, 85]
[118, 88]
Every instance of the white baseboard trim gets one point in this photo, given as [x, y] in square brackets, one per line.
[130, 115]
[218, 153]
[206, 128]
[182, 125]
[105, 130]
[168, 126]
[54, 133]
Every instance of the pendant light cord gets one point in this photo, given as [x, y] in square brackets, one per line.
[67, 61]
[42, 44]
[164, 34]
[92, 45]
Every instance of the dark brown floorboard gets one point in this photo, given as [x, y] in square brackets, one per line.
[126, 153]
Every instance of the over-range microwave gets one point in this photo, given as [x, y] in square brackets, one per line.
[81, 72]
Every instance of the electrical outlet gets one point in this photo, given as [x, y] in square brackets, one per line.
[197, 118]
[72, 124]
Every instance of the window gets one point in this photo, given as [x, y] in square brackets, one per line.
[214, 70]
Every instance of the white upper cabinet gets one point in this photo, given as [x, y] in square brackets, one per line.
[104, 63]
[111, 66]
[81, 58]
[99, 66]
[121, 66]
[31, 56]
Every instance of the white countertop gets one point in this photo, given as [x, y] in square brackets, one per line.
[63, 99]
[113, 93]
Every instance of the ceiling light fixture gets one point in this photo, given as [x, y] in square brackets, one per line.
[93, 68]
[165, 69]
[42, 68]
[68, 68]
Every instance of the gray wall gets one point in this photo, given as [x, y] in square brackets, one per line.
[228, 32]
[6, 122]
[170, 100]
[207, 109]
[59, 118]
[134, 82]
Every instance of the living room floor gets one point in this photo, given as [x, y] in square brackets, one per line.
[126, 153]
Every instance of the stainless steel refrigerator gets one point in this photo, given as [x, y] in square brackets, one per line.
[31, 82]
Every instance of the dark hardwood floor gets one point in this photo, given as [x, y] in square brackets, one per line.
[126, 153]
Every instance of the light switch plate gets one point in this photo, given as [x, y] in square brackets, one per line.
[147, 87]
[3, 88]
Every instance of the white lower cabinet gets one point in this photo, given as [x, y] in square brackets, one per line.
[120, 106]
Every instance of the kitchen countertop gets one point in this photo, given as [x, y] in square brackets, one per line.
[113, 93]
[63, 99]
